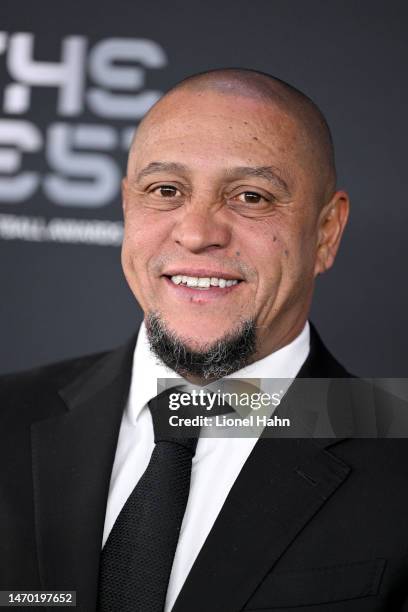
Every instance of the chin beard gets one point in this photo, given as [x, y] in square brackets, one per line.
[211, 361]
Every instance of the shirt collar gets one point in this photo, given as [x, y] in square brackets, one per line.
[147, 368]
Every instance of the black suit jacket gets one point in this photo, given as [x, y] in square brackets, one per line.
[315, 524]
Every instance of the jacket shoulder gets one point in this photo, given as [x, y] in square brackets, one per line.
[33, 394]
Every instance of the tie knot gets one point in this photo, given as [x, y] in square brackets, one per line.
[164, 431]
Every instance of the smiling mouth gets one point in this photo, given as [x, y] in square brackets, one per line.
[203, 283]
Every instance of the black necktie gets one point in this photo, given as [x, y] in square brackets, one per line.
[138, 555]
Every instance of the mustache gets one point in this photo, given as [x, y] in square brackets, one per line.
[240, 268]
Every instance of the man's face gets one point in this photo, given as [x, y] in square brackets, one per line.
[221, 187]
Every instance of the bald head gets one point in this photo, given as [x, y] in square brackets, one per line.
[231, 177]
[313, 130]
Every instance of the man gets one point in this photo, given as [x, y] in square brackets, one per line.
[231, 211]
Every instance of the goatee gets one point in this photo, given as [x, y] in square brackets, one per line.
[212, 361]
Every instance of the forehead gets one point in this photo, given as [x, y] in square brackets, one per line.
[208, 116]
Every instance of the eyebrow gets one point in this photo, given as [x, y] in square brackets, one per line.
[158, 166]
[269, 173]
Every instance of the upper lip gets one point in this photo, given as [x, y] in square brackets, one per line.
[203, 273]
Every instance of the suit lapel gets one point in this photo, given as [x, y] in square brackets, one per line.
[72, 462]
[282, 485]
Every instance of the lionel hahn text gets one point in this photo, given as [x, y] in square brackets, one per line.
[222, 420]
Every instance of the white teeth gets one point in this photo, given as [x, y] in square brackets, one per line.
[202, 282]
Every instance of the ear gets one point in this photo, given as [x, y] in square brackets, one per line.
[332, 221]
[124, 186]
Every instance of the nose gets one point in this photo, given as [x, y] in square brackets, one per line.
[200, 230]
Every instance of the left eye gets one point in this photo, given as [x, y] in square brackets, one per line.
[166, 191]
[250, 197]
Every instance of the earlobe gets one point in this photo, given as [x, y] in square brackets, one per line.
[322, 263]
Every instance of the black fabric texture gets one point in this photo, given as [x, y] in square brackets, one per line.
[138, 555]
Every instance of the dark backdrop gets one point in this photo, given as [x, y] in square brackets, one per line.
[67, 112]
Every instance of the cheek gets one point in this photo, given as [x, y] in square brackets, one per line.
[263, 247]
[270, 243]
[143, 234]
[281, 256]
[297, 259]
[140, 245]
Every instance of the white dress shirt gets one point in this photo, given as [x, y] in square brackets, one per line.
[217, 461]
